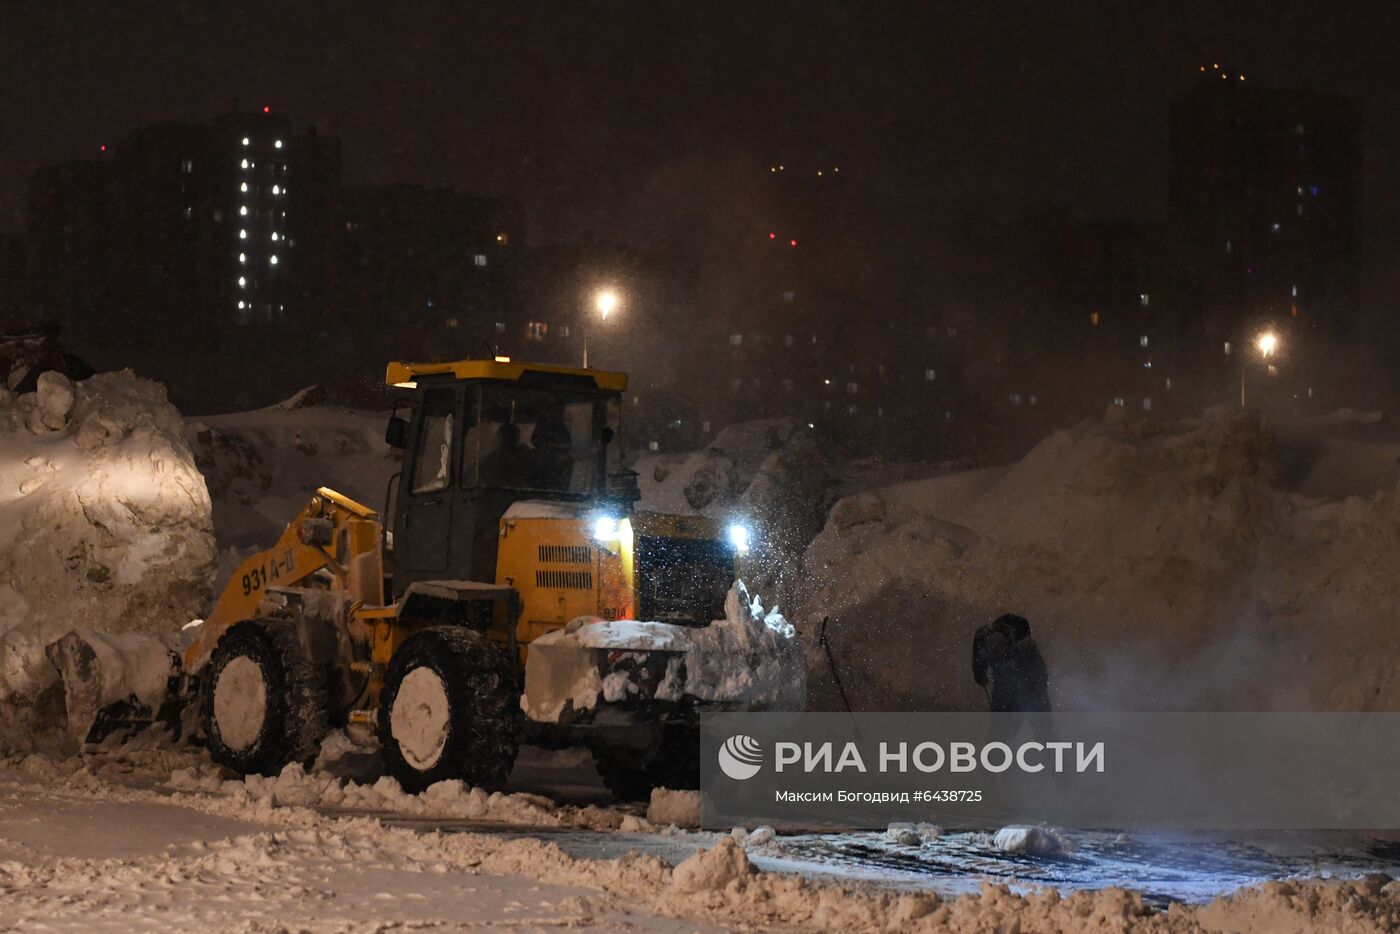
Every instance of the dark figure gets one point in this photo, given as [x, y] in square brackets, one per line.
[1009, 666]
[507, 464]
[552, 460]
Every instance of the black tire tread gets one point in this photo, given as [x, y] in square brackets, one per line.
[675, 764]
[297, 715]
[486, 720]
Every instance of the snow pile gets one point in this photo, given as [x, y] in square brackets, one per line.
[294, 787]
[105, 521]
[1171, 568]
[262, 466]
[1034, 841]
[674, 808]
[751, 658]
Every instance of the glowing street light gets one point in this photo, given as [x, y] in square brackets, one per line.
[605, 302]
[1267, 344]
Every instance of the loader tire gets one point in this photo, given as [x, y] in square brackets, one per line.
[449, 709]
[675, 765]
[264, 703]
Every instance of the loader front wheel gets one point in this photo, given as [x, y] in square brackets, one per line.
[265, 702]
[449, 709]
[674, 764]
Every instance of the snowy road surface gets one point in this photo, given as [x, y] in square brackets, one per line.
[112, 844]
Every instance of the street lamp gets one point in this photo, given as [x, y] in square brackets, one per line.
[605, 302]
[1266, 343]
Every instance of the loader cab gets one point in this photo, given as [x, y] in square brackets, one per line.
[483, 435]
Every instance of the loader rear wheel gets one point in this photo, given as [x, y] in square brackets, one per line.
[449, 709]
[675, 764]
[265, 702]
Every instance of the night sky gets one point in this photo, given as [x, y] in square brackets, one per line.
[584, 109]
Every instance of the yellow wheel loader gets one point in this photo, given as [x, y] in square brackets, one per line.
[511, 519]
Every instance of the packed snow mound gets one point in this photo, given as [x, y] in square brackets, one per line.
[680, 808]
[105, 521]
[750, 660]
[1161, 568]
[262, 466]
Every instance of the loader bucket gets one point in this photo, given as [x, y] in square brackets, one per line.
[117, 684]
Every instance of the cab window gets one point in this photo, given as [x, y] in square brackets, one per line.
[432, 465]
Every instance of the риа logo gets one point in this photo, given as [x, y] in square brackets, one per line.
[740, 757]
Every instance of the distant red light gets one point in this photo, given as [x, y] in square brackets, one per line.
[102, 148]
[771, 236]
[793, 242]
[266, 109]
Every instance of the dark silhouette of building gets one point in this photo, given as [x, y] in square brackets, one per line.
[1265, 202]
[184, 247]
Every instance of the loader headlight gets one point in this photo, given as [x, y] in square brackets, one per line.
[740, 537]
[606, 529]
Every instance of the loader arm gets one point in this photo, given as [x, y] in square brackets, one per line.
[332, 532]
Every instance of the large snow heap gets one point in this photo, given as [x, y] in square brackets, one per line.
[104, 524]
[1176, 567]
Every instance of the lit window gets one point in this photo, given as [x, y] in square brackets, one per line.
[503, 237]
[1142, 341]
[1300, 210]
[1144, 299]
[536, 330]
[1227, 348]
[1229, 248]
[1275, 226]
[243, 210]
[1147, 365]
[1015, 398]
[500, 327]
[187, 166]
[277, 144]
[242, 282]
[1033, 400]
[736, 339]
[851, 410]
[243, 235]
[241, 303]
[705, 427]
[787, 340]
[451, 322]
[245, 141]
[852, 388]
[789, 297]
[1169, 382]
[272, 259]
[1295, 291]
[243, 257]
[1094, 318]
[189, 211]
[564, 330]
[653, 445]
[274, 236]
[930, 375]
[276, 189]
[1146, 404]
[1310, 392]
[245, 163]
[479, 259]
[243, 187]
[1119, 401]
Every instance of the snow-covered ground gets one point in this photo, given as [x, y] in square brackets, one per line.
[110, 842]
